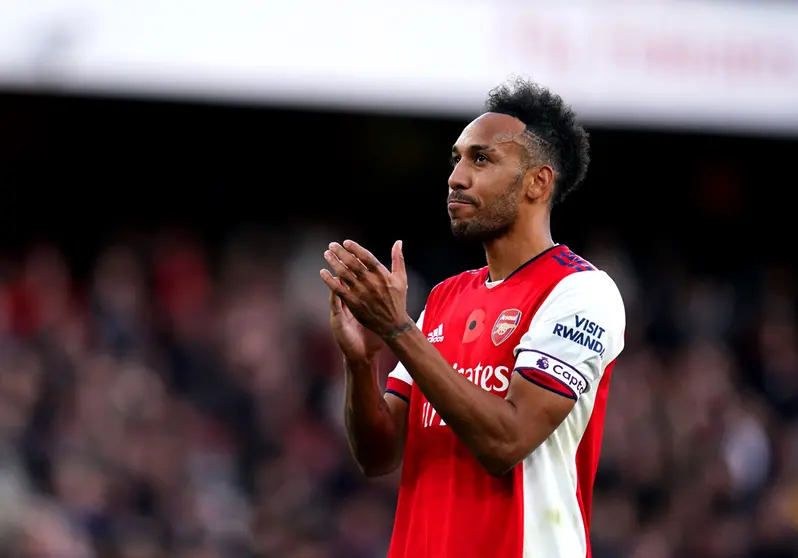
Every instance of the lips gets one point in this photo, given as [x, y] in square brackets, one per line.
[459, 201]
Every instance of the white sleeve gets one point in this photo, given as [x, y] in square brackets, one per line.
[575, 334]
[399, 380]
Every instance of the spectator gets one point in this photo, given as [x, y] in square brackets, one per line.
[166, 407]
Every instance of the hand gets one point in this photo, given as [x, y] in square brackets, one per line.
[357, 343]
[376, 297]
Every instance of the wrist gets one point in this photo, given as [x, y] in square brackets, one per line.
[398, 330]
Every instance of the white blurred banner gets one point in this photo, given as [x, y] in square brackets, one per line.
[666, 63]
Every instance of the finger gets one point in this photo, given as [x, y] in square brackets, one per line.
[344, 308]
[342, 271]
[366, 257]
[349, 259]
[335, 286]
[336, 306]
[398, 260]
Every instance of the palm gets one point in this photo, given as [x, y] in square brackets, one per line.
[355, 341]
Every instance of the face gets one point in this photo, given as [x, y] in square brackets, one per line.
[486, 184]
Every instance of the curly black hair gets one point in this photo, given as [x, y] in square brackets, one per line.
[552, 125]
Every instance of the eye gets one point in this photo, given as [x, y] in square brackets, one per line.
[480, 158]
[454, 160]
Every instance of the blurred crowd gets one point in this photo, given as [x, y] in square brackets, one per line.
[177, 401]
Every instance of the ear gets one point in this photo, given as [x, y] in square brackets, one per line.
[539, 183]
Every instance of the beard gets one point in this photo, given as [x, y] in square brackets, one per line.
[493, 221]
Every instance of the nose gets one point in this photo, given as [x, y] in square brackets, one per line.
[459, 179]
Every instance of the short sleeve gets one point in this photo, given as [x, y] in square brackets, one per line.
[399, 382]
[575, 334]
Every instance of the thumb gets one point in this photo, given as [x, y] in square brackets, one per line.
[398, 259]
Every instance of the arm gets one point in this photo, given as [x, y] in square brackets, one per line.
[375, 424]
[490, 426]
[502, 432]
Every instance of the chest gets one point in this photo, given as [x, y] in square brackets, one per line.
[477, 330]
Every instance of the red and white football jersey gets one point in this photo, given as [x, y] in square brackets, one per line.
[557, 322]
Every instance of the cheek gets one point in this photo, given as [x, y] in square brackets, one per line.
[488, 186]
[501, 190]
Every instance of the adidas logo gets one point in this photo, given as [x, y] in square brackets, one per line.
[436, 335]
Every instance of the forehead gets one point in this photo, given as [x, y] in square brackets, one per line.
[490, 129]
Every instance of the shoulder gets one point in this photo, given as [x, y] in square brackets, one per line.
[591, 289]
[583, 312]
[575, 334]
[562, 262]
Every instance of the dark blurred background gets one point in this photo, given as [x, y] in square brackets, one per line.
[168, 184]
[169, 386]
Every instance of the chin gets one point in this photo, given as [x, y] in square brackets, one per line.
[466, 230]
[460, 228]
[476, 231]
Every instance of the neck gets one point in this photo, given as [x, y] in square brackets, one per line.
[518, 246]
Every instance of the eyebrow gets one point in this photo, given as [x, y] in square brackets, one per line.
[475, 147]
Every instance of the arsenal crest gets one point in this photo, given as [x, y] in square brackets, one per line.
[505, 326]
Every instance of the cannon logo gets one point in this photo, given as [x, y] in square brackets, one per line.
[505, 326]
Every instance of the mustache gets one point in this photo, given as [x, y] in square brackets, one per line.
[460, 197]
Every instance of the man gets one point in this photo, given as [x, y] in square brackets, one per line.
[496, 408]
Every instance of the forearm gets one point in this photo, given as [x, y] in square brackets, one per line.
[372, 433]
[484, 422]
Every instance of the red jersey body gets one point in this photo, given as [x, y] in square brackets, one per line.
[557, 322]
